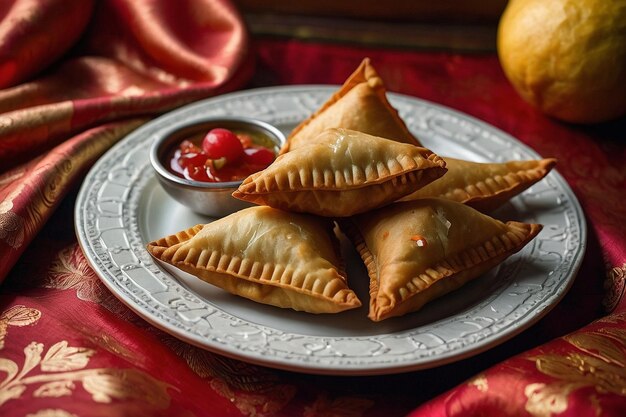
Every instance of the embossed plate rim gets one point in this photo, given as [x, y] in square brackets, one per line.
[117, 214]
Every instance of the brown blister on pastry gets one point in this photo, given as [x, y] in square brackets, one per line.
[270, 256]
[342, 173]
[419, 250]
[485, 186]
[360, 104]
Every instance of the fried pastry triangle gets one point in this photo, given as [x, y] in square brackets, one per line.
[270, 256]
[419, 250]
[484, 186]
[360, 104]
[341, 173]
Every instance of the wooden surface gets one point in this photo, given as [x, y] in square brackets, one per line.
[450, 11]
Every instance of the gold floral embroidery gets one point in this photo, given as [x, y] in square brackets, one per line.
[480, 382]
[599, 363]
[112, 345]
[614, 286]
[11, 225]
[51, 412]
[62, 366]
[253, 390]
[61, 357]
[11, 229]
[55, 389]
[17, 316]
[106, 384]
[255, 404]
[70, 270]
[605, 345]
[339, 407]
[546, 400]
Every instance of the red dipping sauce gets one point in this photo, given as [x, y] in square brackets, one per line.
[222, 155]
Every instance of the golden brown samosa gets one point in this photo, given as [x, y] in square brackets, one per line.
[341, 173]
[484, 186]
[360, 104]
[270, 256]
[419, 250]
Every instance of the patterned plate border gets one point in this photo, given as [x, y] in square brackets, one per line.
[108, 228]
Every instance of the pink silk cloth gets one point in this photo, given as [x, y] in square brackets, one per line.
[76, 76]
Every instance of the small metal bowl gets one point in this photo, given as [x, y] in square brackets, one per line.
[208, 198]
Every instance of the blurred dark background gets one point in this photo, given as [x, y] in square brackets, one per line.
[441, 24]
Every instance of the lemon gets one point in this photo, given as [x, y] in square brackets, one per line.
[567, 57]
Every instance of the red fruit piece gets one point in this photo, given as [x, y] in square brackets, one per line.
[197, 173]
[190, 159]
[222, 143]
[259, 156]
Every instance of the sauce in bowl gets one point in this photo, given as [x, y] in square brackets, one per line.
[222, 155]
[203, 179]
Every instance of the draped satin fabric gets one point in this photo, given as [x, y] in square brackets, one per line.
[75, 71]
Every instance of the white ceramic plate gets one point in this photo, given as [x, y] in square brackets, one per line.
[121, 207]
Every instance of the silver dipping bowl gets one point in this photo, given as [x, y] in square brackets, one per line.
[208, 198]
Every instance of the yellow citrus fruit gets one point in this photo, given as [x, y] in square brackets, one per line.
[567, 57]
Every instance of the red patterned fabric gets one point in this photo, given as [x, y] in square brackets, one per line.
[129, 59]
[581, 369]
[590, 157]
[76, 76]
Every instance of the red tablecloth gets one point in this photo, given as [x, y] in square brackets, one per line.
[77, 76]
